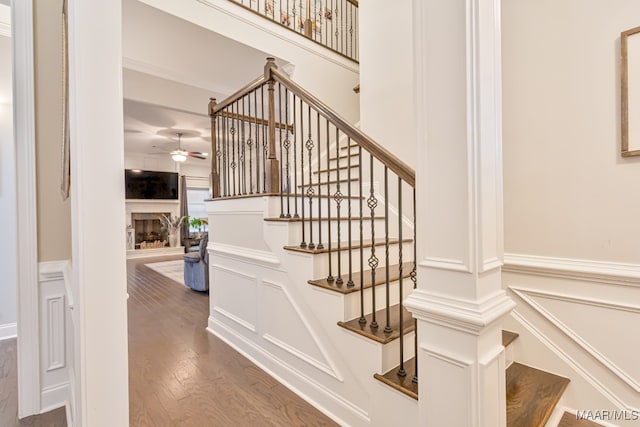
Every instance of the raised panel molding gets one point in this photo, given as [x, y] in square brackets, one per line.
[529, 296]
[239, 293]
[55, 314]
[571, 362]
[256, 256]
[578, 269]
[327, 365]
[446, 264]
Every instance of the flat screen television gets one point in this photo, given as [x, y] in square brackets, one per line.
[141, 184]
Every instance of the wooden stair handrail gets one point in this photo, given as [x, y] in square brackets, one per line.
[239, 94]
[400, 168]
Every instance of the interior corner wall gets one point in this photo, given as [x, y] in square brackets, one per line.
[8, 256]
[54, 215]
[386, 80]
[567, 191]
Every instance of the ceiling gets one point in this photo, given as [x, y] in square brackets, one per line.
[177, 66]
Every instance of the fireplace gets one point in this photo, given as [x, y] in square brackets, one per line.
[148, 231]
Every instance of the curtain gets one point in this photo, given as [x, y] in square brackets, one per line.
[184, 209]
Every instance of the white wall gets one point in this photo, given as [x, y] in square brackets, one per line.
[572, 248]
[325, 74]
[567, 191]
[8, 256]
[386, 81]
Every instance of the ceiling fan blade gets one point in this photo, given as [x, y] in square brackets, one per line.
[196, 155]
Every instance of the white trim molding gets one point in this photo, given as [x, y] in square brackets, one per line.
[461, 315]
[528, 296]
[578, 269]
[25, 144]
[8, 331]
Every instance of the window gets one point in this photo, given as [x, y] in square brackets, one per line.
[196, 206]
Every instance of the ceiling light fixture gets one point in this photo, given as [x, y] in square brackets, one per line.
[179, 155]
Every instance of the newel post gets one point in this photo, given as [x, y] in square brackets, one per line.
[214, 185]
[274, 164]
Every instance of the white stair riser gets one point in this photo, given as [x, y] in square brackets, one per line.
[295, 232]
[391, 352]
[352, 300]
[321, 261]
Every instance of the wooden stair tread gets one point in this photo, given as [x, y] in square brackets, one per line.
[378, 334]
[407, 386]
[531, 395]
[570, 420]
[346, 147]
[508, 337]
[403, 384]
[394, 274]
[335, 169]
[324, 218]
[345, 246]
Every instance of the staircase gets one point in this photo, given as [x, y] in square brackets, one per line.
[313, 294]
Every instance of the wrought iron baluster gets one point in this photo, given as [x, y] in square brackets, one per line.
[264, 145]
[225, 151]
[244, 147]
[362, 319]
[303, 244]
[350, 283]
[250, 144]
[310, 192]
[295, 161]
[287, 147]
[414, 278]
[257, 141]
[372, 203]
[401, 371]
[233, 147]
[318, 140]
[330, 277]
[279, 124]
[338, 197]
[387, 285]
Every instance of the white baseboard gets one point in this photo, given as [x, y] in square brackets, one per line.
[54, 397]
[8, 331]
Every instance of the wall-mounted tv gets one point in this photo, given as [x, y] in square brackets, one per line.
[141, 184]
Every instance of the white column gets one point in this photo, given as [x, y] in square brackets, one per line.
[97, 207]
[459, 301]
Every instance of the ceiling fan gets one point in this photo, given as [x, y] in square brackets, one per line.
[181, 155]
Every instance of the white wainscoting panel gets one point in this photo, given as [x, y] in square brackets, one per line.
[55, 322]
[53, 286]
[286, 327]
[235, 295]
[585, 313]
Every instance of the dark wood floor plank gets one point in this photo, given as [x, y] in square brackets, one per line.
[181, 375]
[531, 395]
[9, 394]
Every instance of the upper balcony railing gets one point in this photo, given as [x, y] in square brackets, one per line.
[331, 23]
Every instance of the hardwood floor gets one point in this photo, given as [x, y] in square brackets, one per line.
[9, 394]
[181, 375]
